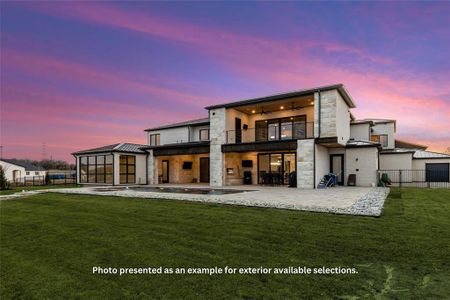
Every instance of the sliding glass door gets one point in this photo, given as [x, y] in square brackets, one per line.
[275, 168]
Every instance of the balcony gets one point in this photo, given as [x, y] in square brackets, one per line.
[271, 133]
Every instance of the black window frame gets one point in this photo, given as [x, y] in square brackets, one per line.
[157, 139]
[96, 165]
[200, 134]
[279, 121]
[127, 172]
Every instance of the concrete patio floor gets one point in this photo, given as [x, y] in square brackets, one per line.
[342, 200]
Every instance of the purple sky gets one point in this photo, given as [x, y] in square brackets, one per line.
[84, 74]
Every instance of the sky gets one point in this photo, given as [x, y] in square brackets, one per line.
[77, 75]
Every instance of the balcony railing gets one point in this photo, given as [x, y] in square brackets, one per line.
[300, 131]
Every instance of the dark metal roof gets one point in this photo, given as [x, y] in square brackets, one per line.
[196, 122]
[119, 147]
[339, 87]
[27, 166]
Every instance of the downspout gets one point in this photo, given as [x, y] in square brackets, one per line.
[318, 136]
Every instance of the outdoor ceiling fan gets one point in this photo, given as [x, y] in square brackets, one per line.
[263, 112]
[293, 107]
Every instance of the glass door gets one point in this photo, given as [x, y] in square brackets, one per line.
[275, 168]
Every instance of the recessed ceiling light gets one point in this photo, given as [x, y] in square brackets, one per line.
[253, 111]
[281, 107]
[312, 102]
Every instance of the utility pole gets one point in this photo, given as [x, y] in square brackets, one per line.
[1, 151]
[44, 151]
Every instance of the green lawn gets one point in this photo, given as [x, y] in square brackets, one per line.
[50, 242]
[19, 189]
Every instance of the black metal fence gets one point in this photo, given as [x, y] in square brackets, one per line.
[416, 178]
[52, 179]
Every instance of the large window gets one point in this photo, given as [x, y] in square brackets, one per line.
[96, 169]
[127, 169]
[204, 134]
[275, 168]
[155, 139]
[380, 138]
[281, 129]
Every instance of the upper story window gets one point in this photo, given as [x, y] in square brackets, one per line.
[155, 139]
[380, 138]
[204, 135]
[281, 129]
[36, 173]
[28, 173]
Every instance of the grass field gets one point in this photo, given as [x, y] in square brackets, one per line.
[50, 242]
[19, 189]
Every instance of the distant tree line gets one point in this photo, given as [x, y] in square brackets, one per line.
[48, 164]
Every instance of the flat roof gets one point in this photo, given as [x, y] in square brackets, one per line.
[340, 87]
[195, 122]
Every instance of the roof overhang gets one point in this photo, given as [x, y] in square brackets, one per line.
[339, 87]
[180, 149]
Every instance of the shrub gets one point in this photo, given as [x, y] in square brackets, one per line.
[3, 181]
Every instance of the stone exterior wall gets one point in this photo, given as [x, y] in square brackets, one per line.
[328, 114]
[217, 134]
[305, 163]
[152, 168]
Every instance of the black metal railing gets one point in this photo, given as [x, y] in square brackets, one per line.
[416, 178]
[304, 130]
[51, 179]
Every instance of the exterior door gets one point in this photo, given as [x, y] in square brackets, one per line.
[165, 171]
[238, 127]
[437, 172]
[337, 167]
[204, 169]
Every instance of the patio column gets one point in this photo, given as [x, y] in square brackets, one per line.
[305, 164]
[152, 168]
[217, 135]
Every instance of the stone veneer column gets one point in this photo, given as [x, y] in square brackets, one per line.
[305, 164]
[152, 168]
[217, 135]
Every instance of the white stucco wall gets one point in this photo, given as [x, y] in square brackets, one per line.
[171, 135]
[360, 132]
[396, 161]
[141, 173]
[195, 132]
[363, 162]
[322, 162]
[387, 128]
[10, 168]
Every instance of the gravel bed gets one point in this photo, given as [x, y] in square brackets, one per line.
[370, 204]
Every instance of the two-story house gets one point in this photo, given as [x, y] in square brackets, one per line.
[293, 138]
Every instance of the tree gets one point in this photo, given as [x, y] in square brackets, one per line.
[3, 182]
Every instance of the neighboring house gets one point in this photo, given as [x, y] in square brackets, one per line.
[262, 141]
[16, 170]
